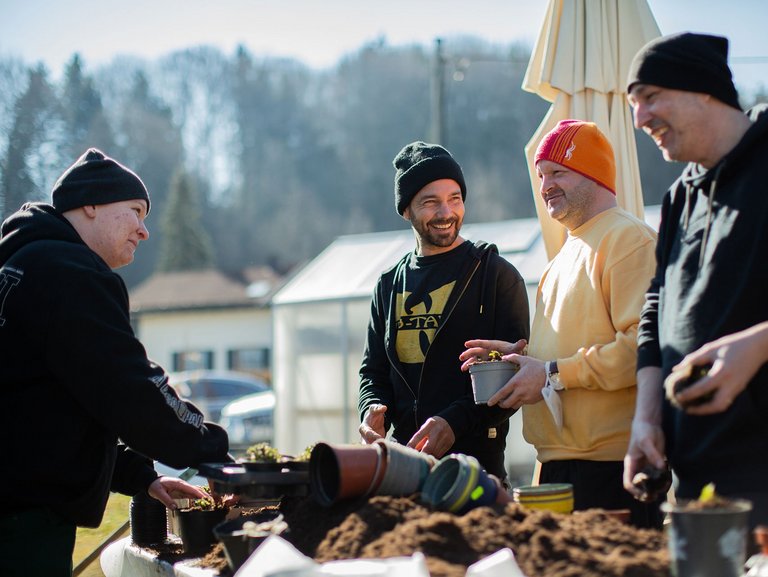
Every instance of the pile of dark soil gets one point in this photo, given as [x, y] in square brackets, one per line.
[583, 544]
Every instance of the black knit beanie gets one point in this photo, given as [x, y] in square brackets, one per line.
[95, 178]
[420, 163]
[686, 61]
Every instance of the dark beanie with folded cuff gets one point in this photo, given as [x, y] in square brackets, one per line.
[686, 61]
[420, 163]
[95, 178]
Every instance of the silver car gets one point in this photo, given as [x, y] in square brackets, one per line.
[210, 390]
[249, 420]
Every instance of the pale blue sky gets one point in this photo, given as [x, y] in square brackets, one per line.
[318, 32]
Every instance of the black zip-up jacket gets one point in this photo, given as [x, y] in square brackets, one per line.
[489, 301]
[74, 379]
[711, 281]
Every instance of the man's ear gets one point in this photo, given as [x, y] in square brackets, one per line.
[407, 214]
[90, 210]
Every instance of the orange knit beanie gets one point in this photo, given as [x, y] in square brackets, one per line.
[581, 147]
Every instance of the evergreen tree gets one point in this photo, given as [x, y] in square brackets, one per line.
[185, 244]
[153, 150]
[32, 159]
[83, 112]
[13, 81]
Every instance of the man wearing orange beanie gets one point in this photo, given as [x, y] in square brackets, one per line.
[577, 384]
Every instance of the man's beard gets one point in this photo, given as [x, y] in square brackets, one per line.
[428, 236]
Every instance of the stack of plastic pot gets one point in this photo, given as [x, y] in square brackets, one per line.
[339, 472]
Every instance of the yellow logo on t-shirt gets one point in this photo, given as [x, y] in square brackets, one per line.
[417, 326]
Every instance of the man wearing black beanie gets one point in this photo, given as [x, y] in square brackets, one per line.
[75, 379]
[707, 305]
[424, 309]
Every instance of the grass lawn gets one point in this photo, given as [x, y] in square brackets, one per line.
[89, 539]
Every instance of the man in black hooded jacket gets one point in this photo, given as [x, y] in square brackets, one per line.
[85, 410]
[425, 308]
[711, 279]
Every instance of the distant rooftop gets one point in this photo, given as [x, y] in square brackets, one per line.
[204, 289]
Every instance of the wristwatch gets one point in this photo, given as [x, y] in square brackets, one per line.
[553, 375]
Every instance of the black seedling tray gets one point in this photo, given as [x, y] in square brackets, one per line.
[258, 482]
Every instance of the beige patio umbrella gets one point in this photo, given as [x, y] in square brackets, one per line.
[580, 64]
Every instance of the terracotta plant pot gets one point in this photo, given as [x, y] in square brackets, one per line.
[489, 377]
[338, 472]
[621, 515]
[708, 540]
[196, 528]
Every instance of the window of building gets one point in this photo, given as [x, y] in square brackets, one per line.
[255, 360]
[191, 360]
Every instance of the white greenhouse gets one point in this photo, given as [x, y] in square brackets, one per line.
[320, 319]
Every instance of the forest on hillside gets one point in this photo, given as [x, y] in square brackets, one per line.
[265, 161]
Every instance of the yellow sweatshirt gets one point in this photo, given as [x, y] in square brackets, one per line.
[587, 309]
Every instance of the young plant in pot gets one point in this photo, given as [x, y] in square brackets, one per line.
[301, 461]
[264, 457]
[489, 376]
[195, 523]
[708, 536]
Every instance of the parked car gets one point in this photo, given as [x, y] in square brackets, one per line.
[210, 391]
[249, 420]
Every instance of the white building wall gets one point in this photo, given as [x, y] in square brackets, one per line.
[217, 330]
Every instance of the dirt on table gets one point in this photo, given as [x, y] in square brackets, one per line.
[583, 544]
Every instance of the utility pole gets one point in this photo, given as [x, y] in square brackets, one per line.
[437, 108]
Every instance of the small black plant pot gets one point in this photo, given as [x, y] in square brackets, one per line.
[238, 543]
[196, 528]
[148, 520]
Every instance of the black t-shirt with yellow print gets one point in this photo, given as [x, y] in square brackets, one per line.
[429, 282]
[423, 310]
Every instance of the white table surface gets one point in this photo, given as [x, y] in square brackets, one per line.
[124, 559]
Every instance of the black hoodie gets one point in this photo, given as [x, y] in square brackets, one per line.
[711, 281]
[489, 301]
[74, 379]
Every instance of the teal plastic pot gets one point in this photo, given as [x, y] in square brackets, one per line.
[457, 484]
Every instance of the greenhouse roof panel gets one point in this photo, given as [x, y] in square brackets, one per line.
[352, 264]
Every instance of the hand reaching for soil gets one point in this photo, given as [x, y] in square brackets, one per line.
[166, 489]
